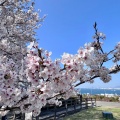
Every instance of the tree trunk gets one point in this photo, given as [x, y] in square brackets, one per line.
[28, 116]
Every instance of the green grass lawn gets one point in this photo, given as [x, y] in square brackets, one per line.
[94, 114]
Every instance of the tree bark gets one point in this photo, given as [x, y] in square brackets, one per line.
[28, 116]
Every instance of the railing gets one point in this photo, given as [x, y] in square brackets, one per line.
[69, 106]
[54, 112]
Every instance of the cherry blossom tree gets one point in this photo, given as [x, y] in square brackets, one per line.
[29, 78]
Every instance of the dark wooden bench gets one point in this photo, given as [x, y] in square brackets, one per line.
[107, 115]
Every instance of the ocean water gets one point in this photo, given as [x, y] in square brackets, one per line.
[99, 91]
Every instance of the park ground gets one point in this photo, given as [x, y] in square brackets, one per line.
[96, 112]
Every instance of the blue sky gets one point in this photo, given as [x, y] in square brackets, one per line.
[69, 25]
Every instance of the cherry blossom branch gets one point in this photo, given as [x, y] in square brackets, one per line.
[117, 69]
[59, 94]
[111, 51]
[86, 81]
[3, 3]
[96, 33]
[9, 108]
[9, 53]
[110, 59]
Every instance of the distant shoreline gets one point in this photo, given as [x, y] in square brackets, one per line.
[100, 91]
[101, 88]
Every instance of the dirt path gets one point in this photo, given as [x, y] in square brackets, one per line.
[106, 104]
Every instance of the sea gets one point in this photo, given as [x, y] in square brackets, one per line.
[95, 91]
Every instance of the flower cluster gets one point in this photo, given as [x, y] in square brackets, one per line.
[9, 93]
[117, 53]
[46, 79]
